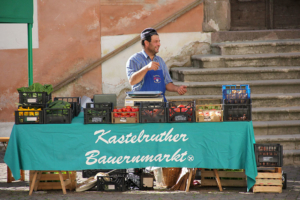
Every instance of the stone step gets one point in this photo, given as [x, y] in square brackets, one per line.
[255, 35]
[258, 100]
[276, 113]
[250, 60]
[288, 142]
[288, 127]
[291, 157]
[257, 87]
[191, 74]
[256, 47]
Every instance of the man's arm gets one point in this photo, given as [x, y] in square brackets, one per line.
[138, 76]
[174, 88]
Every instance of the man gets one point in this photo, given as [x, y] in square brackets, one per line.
[148, 72]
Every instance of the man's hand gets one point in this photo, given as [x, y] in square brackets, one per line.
[153, 66]
[182, 89]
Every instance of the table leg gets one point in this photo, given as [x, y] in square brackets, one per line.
[187, 189]
[39, 174]
[62, 182]
[33, 182]
[218, 180]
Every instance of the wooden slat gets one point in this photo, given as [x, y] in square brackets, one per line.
[224, 183]
[223, 174]
[268, 175]
[267, 189]
[268, 182]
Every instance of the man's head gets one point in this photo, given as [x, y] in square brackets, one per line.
[150, 40]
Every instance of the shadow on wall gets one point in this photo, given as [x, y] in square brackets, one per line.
[121, 96]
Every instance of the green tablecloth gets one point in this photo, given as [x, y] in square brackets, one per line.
[216, 145]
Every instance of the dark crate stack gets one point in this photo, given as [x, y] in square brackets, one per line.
[92, 172]
[237, 105]
[32, 100]
[74, 101]
[98, 113]
[268, 155]
[144, 181]
[112, 183]
[181, 111]
[58, 116]
[153, 112]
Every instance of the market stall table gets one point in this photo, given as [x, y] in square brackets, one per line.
[76, 146]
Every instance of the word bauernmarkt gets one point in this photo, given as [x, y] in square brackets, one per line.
[163, 137]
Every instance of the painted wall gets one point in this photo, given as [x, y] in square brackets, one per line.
[73, 34]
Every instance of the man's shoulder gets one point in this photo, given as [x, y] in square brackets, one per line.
[138, 55]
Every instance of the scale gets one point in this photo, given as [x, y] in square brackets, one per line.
[134, 98]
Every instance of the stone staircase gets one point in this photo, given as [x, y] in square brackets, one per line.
[269, 61]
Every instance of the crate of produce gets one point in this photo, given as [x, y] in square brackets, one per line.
[209, 113]
[153, 112]
[27, 115]
[228, 178]
[57, 116]
[268, 155]
[237, 112]
[125, 115]
[236, 93]
[35, 94]
[111, 183]
[181, 111]
[236, 101]
[49, 180]
[268, 180]
[97, 113]
[92, 172]
[75, 103]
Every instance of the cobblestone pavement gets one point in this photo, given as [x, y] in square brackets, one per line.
[19, 190]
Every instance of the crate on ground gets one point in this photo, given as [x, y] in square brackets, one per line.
[236, 94]
[57, 116]
[209, 113]
[49, 180]
[92, 172]
[144, 181]
[29, 117]
[237, 112]
[75, 103]
[34, 98]
[268, 180]
[268, 155]
[125, 115]
[181, 111]
[228, 178]
[153, 112]
[112, 183]
[97, 113]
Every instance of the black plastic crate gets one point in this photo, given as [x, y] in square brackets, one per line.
[140, 180]
[236, 91]
[29, 117]
[284, 180]
[57, 116]
[97, 116]
[34, 98]
[111, 183]
[237, 112]
[75, 103]
[237, 101]
[153, 112]
[106, 105]
[181, 111]
[268, 155]
[92, 172]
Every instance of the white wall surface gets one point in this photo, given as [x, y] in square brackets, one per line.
[14, 36]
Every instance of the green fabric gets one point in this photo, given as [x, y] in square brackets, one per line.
[215, 145]
[16, 11]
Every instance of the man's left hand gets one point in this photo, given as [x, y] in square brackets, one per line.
[182, 89]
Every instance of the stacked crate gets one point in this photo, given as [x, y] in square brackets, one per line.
[31, 109]
[237, 103]
[75, 104]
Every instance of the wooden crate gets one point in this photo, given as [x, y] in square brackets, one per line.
[49, 180]
[268, 180]
[208, 113]
[228, 178]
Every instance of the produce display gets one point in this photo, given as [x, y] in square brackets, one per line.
[209, 113]
[96, 113]
[28, 115]
[35, 94]
[126, 114]
[58, 112]
[153, 112]
[181, 111]
[75, 103]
